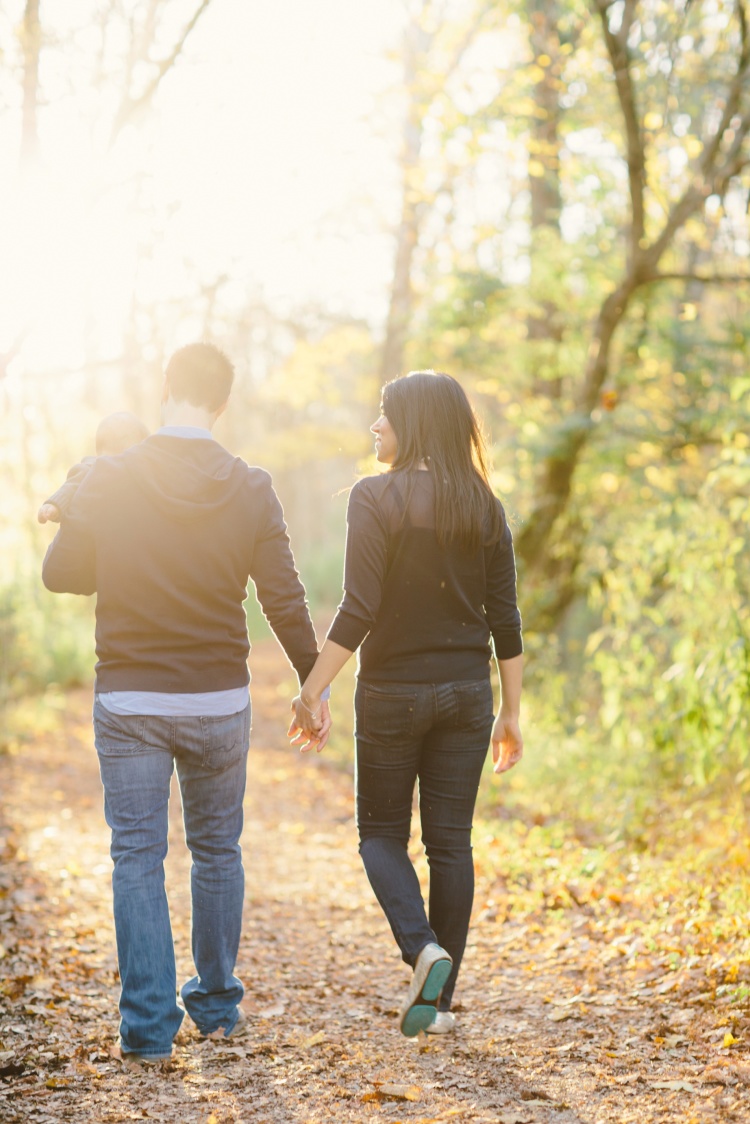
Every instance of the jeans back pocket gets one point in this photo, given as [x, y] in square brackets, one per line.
[385, 716]
[118, 735]
[226, 739]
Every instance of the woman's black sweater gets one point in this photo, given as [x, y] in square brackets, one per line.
[421, 613]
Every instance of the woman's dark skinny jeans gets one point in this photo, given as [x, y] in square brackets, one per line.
[437, 734]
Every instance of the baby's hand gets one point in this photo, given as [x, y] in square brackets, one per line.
[48, 513]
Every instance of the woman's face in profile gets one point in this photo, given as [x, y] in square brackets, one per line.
[386, 445]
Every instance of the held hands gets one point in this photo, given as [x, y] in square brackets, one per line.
[310, 726]
[507, 742]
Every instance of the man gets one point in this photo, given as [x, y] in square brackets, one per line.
[167, 535]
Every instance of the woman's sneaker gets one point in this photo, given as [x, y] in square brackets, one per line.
[431, 970]
[443, 1023]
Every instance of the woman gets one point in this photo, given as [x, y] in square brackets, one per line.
[429, 583]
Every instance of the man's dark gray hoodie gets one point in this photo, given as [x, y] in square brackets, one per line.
[167, 535]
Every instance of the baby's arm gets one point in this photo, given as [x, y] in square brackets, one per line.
[58, 503]
[48, 513]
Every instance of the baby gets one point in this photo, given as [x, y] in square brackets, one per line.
[114, 434]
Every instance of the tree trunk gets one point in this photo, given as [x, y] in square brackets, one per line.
[561, 462]
[31, 41]
[544, 324]
[402, 291]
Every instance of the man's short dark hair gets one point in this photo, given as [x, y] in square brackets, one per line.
[200, 374]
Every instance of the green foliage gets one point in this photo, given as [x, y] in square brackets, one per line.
[45, 640]
[644, 684]
[672, 655]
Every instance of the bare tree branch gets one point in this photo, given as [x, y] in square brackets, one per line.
[132, 106]
[713, 177]
[620, 58]
[702, 278]
[628, 18]
[734, 95]
[467, 39]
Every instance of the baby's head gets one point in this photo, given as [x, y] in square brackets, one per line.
[117, 432]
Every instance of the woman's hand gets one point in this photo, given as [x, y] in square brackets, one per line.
[310, 725]
[507, 742]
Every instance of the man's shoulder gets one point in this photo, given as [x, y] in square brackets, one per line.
[253, 478]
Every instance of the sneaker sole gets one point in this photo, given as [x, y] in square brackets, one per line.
[421, 1014]
[441, 1026]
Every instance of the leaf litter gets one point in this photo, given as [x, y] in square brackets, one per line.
[565, 1012]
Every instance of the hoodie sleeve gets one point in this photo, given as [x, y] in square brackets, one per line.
[70, 563]
[280, 591]
[63, 497]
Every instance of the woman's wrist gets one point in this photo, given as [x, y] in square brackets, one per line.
[310, 701]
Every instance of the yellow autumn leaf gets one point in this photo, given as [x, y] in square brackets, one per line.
[401, 1092]
[729, 1040]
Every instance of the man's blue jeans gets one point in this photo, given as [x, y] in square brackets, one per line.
[137, 755]
[436, 734]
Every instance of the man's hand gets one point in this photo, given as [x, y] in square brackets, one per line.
[48, 513]
[310, 725]
[507, 742]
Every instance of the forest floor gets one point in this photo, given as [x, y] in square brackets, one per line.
[577, 1011]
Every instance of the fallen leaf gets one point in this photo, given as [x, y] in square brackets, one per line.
[12, 1070]
[676, 1086]
[717, 1076]
[561, 1016]
[272, 1012]
[57, 1082]
[315, 1040]
[389, 1092]
[567, 1002]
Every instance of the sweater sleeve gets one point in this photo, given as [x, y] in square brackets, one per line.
[280, 592]
[501, 605]
[365, 568]
[63, 497]
[70, 563]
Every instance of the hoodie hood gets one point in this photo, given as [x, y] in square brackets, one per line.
[185, 476]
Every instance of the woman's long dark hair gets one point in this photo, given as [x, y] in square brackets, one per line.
[434, 423]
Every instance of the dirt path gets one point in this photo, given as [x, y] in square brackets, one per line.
[552, 1027]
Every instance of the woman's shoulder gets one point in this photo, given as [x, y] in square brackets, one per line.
[374, 487]
[498, 530]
